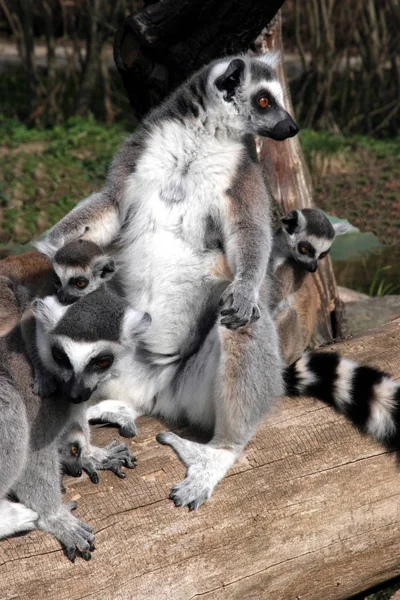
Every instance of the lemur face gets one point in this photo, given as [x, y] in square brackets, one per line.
[83, 344]
[310, 235]
[252, 86]
[71, 453]
[79, 268]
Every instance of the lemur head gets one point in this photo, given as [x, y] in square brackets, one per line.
[79, 268]
[309, 235]
[70, 450]
[251, 91]
[82, 344]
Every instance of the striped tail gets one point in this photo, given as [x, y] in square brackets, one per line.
[369, 398]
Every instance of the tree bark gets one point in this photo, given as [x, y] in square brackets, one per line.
[157, 48]
[290, 182]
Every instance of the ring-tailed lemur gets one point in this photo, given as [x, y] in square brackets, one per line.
[79, 268]
[305, 238]
[186, 197]
[31, 428]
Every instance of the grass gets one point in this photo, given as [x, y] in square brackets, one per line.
[357, 177]
[45, 172]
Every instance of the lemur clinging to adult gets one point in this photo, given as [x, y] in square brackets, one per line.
[186, 198]
[304, 238]
[32, 427]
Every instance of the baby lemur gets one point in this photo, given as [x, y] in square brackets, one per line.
[305, 238]
[31, 427]
[78, 268]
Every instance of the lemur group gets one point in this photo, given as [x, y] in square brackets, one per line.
[167, 293]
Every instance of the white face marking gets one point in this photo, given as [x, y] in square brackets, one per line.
[343, 384]
[381, 422]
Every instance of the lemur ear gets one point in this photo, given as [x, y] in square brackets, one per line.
[290, 221]
[342, 228]
[134, 323]
[104, 267]
[230, 80]
[45, 248]
[48, 311]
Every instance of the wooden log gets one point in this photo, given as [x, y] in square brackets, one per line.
[311, 511]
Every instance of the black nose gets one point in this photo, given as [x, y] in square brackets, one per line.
[293, 129]
[312, 267]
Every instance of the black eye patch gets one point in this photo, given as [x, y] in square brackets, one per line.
[306, 249]
[60, 357]
[323, 254]
[56, 280]
[101, 362]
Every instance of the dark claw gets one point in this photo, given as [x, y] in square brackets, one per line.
[92, 548]
[193, 505]
[86, 555]
[127, 431]
[119, 472]
[94, 478]
[129, 462]
[71, 554]
[160, 439]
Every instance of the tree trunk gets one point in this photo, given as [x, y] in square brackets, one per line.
[290, 182]
[156, 49]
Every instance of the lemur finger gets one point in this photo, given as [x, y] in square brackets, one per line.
[226, 298]
[71, 505]
[127, 431]
[118, 472]
[71, 553]
[229, 311]
[92, 473]
[255, 315]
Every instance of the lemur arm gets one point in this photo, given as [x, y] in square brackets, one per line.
[96, 218]
[248, 241]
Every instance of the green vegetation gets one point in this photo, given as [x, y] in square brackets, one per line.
[45, 172]
[357, 178]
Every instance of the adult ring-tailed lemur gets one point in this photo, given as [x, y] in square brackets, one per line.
[186, 200]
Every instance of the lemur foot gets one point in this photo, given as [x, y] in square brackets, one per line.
[44, 384]
[239, 306]
[75, 535]
[206, 467]
[113, 457]
[115, 413]
[15, 518]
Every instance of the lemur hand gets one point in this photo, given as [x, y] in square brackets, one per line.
[239, 306]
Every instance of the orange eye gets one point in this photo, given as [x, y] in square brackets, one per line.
[103, 364]
[304, 250]
[81, 283]
[263, 102]
[74, 450]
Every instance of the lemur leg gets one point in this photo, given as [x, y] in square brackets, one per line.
[14, 517]
[248, 380]
[116, 413]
